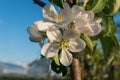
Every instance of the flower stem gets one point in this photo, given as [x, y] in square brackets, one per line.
[75, 68]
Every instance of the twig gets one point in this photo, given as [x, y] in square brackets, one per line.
[39, 2]
[71, 2]
[75, 68]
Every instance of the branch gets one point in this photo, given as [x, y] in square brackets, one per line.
[39, 2]
[75, 68]
[71, 2]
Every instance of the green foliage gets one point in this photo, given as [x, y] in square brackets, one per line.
[96, 5]
[108, 43]
[58, 2]
[88, 42]
[55, 58]
[110, 60]
[109, 26]
[58, 68]
[99, 56]
[112, 7]
[114, 56]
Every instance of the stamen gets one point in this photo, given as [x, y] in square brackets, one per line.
[72, 26]
[59, 18]
[64, 44]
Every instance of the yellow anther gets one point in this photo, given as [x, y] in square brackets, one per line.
[59, 18]
[72, 26]
[64, 44]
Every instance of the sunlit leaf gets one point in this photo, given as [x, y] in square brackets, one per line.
[96, 5]
[58, 2]
[112, 7]
[114, 56]
[110, 60]
[88, 41]
[109, 26]
[56, 59]
[108, 43]
[116, 42]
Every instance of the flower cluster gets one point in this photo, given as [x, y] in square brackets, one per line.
[63, 31]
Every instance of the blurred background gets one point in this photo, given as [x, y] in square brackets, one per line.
[20, 58]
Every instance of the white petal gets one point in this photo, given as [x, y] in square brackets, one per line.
[49, 12]
[81, 20]
[96, 29]
[66, 57]
[50, 49]
[43, 26]
[54, 35]
[70, 33]
[35, 36]
[76, 45]
[86, 29]
[91, 29]
[76, 10]
[66, 12]
[90, 15]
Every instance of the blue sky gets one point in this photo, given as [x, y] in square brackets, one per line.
[15, 17]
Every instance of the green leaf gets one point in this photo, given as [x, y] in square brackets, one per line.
[116, 42]
[88, 41]
[108, 43]
[58, 69]
[96, 5]
[56, 59]
[112, 7]
[110, 60]
[55, 67]
[43, 33]
[58, 2]
[109, 26]
[115, 56]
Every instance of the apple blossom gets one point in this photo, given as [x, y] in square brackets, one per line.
[63, 31]
[85, 24]
[34, 33]
[83, 20]
[67, 42]
[62, 19]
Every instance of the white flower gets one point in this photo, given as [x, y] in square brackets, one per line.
[53, 19]
[44, 26]
[72, 22]
[83, 20]
[85, 24]
[34, 33]
[64, 18]
[70, 14]
[67, 43]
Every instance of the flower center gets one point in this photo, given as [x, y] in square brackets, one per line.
[72, 25]
[63, 44]
[59, 18]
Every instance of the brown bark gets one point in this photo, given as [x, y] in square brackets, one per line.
[40, 3]
[71, 2]
[75, 68]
